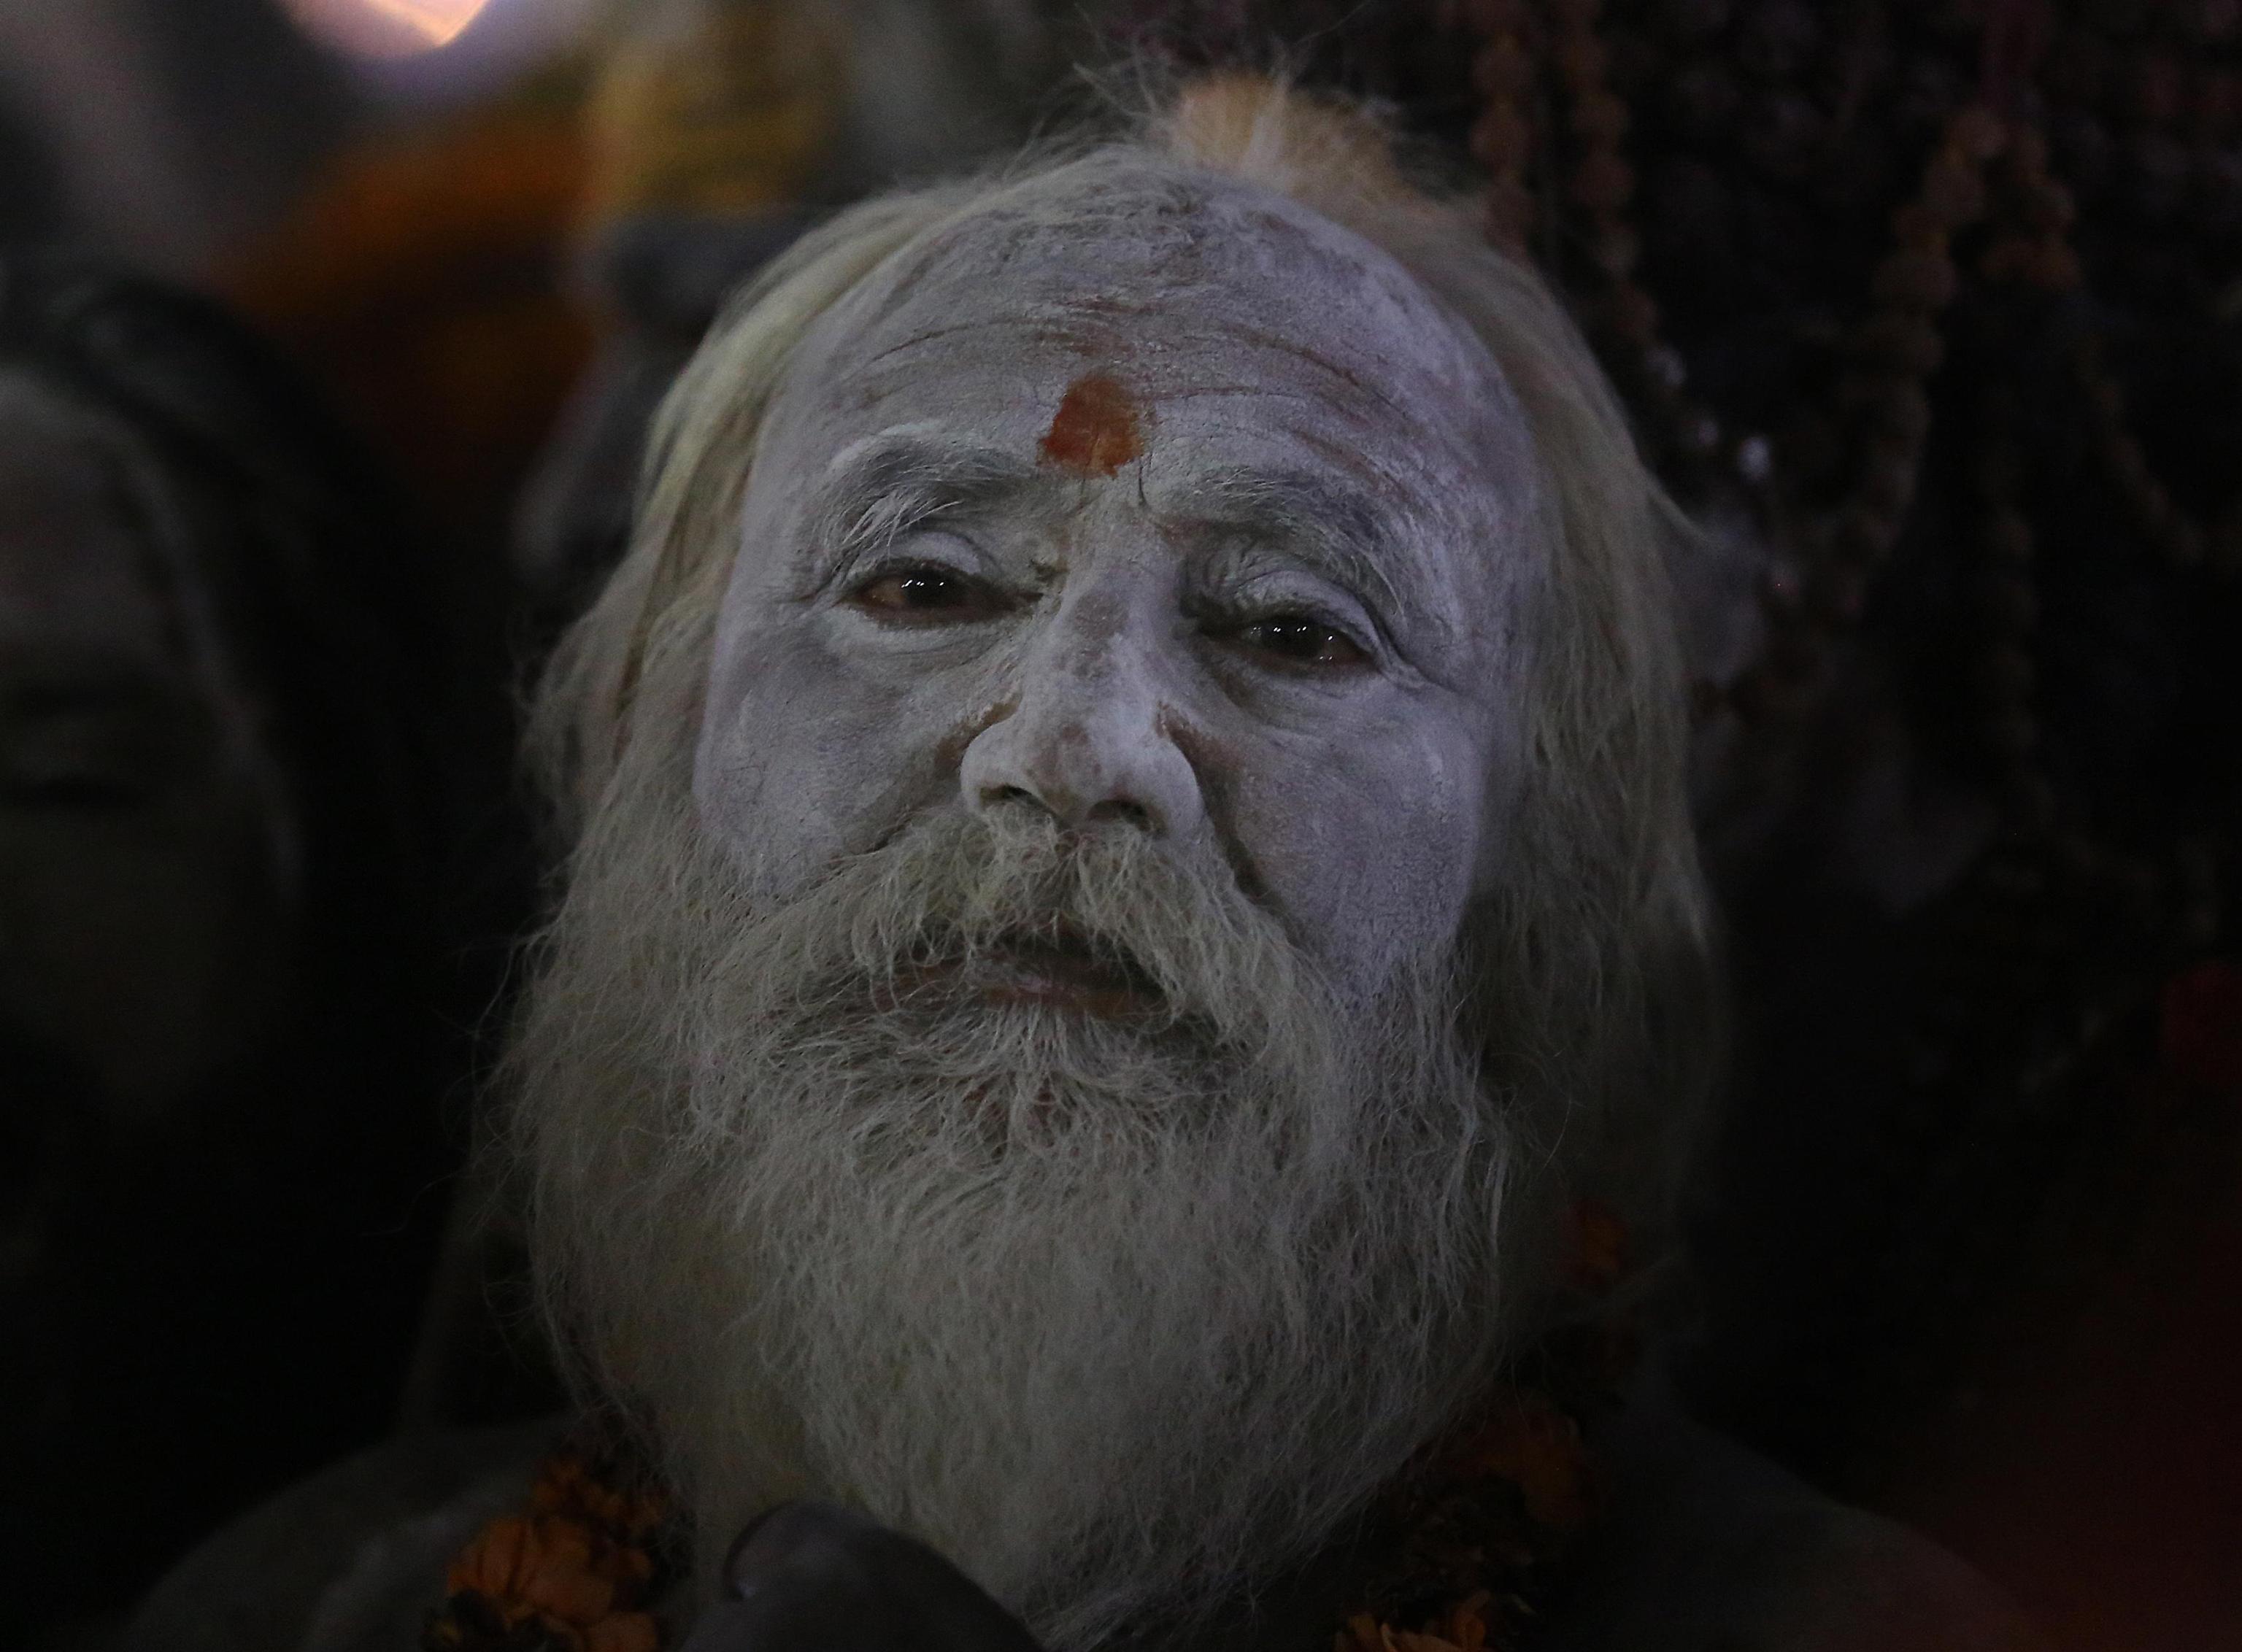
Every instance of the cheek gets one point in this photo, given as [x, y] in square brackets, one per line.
[1368, 844]
[804, 761]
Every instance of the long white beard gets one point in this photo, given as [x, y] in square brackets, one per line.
[1119, 1315]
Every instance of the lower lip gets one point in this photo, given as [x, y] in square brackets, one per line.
[1052, 981]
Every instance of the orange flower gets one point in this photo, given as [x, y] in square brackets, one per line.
[1537, 1448]
[547, 1567]
[1365, 1633]
[560, 1579]
[568, 1487]
[573, 1569]
[489, 1566]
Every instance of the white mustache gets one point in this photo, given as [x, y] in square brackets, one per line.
[958, 891]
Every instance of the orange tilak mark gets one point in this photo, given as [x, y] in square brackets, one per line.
[1097, 429]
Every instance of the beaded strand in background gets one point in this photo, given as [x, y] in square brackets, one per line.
[2068, 921]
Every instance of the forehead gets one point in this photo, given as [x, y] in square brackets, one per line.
[1242, 326]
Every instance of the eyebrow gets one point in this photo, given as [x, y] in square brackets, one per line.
[1334, 531]
[881, 486]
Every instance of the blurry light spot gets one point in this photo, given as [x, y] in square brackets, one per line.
[438, 21]
[386, 28]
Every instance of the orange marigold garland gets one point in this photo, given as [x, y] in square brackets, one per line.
[1476, 1531]
[1471, 1532]
[1463, 1629]
[1478, 1526]
[571, 1576]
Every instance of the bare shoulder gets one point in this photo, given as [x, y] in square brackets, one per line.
[347, 1561]
[1711, 1549]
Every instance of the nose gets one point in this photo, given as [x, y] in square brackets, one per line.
[1087, 739]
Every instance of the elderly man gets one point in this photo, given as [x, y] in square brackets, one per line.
[1133, 988]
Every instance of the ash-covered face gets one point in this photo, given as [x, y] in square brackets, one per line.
[1187, 510]
[1045, 1025]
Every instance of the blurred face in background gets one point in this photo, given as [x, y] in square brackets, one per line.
[144, 835]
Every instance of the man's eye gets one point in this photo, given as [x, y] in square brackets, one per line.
[929, 592]
[1303, 641]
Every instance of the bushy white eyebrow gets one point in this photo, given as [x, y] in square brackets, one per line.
[1334, 531]
[879, 488]
[876, 489]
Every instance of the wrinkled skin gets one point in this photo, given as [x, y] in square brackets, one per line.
[1205, 523]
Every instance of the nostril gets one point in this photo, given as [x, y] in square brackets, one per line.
[991, 796]
[1126, 814]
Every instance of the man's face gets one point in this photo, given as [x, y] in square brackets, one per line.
[1039, 1025]
[1192, 514]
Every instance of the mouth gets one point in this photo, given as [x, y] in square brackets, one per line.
[1066, 971]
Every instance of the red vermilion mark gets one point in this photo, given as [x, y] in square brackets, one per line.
[1097, 429]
